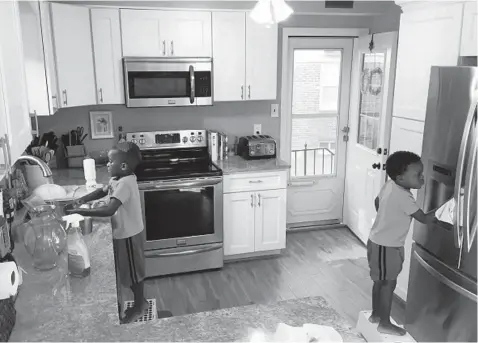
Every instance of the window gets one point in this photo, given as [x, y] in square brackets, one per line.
[315, 110]
[371, 96]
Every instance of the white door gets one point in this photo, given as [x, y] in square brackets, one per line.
[370, 120]
[469, 32]
[270, 226]
[105, 24]
[239, 221]
[142, 33]
[18, 125]
[188, 34]
[317, 113]
[261, 60]
[74, 55]
[229, 54]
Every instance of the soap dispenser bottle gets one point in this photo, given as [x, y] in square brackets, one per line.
[78, 257]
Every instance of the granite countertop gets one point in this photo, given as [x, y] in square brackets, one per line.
[237, 164]
[52, 306]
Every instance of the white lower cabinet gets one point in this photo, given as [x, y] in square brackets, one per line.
[254, 221]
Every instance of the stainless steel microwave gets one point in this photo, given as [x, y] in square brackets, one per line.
[162, 81]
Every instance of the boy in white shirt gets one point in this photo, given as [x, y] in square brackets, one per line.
[395, 207]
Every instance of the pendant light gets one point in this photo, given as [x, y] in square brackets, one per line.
[270, 12]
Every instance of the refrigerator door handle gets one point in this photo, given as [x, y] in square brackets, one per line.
[443, 279]
[469, 230]
[457, 218]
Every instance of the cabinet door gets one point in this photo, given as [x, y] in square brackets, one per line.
[406, 135]
[188, 34]
[469, 33]
[38, 100]
[142, 33]
[15, 97]
[429, 35]
[74, 54]
[261, 61]
[229, 55]
[270, 219]
[105, 24]
[238, 223]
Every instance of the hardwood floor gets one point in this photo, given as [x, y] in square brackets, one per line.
[330, 263]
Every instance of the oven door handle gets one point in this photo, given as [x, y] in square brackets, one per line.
[180, 184]
[182, 253]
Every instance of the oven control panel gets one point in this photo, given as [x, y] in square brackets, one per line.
[168, 139]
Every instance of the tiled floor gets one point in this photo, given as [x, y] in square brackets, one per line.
[329, 263]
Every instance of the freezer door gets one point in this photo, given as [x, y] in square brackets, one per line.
[441, 303]
[449, 128]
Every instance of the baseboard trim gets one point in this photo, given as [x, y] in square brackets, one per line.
[252, 256]
[315, 228]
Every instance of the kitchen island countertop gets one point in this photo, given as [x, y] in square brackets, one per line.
[237, 164]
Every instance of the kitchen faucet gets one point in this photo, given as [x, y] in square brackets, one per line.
[43, 166]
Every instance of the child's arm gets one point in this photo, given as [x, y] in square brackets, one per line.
[423, 218]
[103, 211]
[95, 195]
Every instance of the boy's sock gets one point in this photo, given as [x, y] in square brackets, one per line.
[375, 316]
[386, 297]
[140, 304]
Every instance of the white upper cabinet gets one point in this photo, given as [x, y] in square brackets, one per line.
[261, 60]
[469, 33]
[38, 99]
[429, 35]
[105, 24]
[13, 81]
[229, 55]
[188, 34]
[74, 54]
[150, 33]
[142, 33]
[245, 58]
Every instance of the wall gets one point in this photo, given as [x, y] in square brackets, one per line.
[234, 118]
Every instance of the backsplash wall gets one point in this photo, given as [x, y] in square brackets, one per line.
[233, 118]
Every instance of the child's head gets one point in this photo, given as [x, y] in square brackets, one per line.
[406, 169]
[123, 159]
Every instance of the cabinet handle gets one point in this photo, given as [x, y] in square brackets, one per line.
[252, 200]
[242, 92]
[256, 181]
[259, 200]
[101, 95]
[54, 99]
[249, 91]
[65, 98]
[172, 48]
[164, 47]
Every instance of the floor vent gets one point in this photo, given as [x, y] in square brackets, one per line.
[339, 4]
[149, 315]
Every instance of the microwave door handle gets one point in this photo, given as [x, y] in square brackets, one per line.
[457, 220]
[193, 85]
[469, 178]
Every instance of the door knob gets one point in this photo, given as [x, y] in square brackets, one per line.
[376, 166]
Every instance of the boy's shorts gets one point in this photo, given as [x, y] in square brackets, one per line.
[129, 259]
[385, 262]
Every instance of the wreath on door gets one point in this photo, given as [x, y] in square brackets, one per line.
[375, 81]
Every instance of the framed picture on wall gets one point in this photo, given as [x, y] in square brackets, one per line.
[101, 123]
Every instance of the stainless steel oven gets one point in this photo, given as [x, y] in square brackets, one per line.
[181, 200]
[154, 82]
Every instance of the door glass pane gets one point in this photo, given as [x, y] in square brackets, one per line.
[315, 110]
[371, 96]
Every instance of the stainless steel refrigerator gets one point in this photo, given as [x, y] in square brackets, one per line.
[442, 298]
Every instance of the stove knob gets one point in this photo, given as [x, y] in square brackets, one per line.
[134, 141]
[192, 139]
[200, 138]
[142, 141]
[185, 140]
